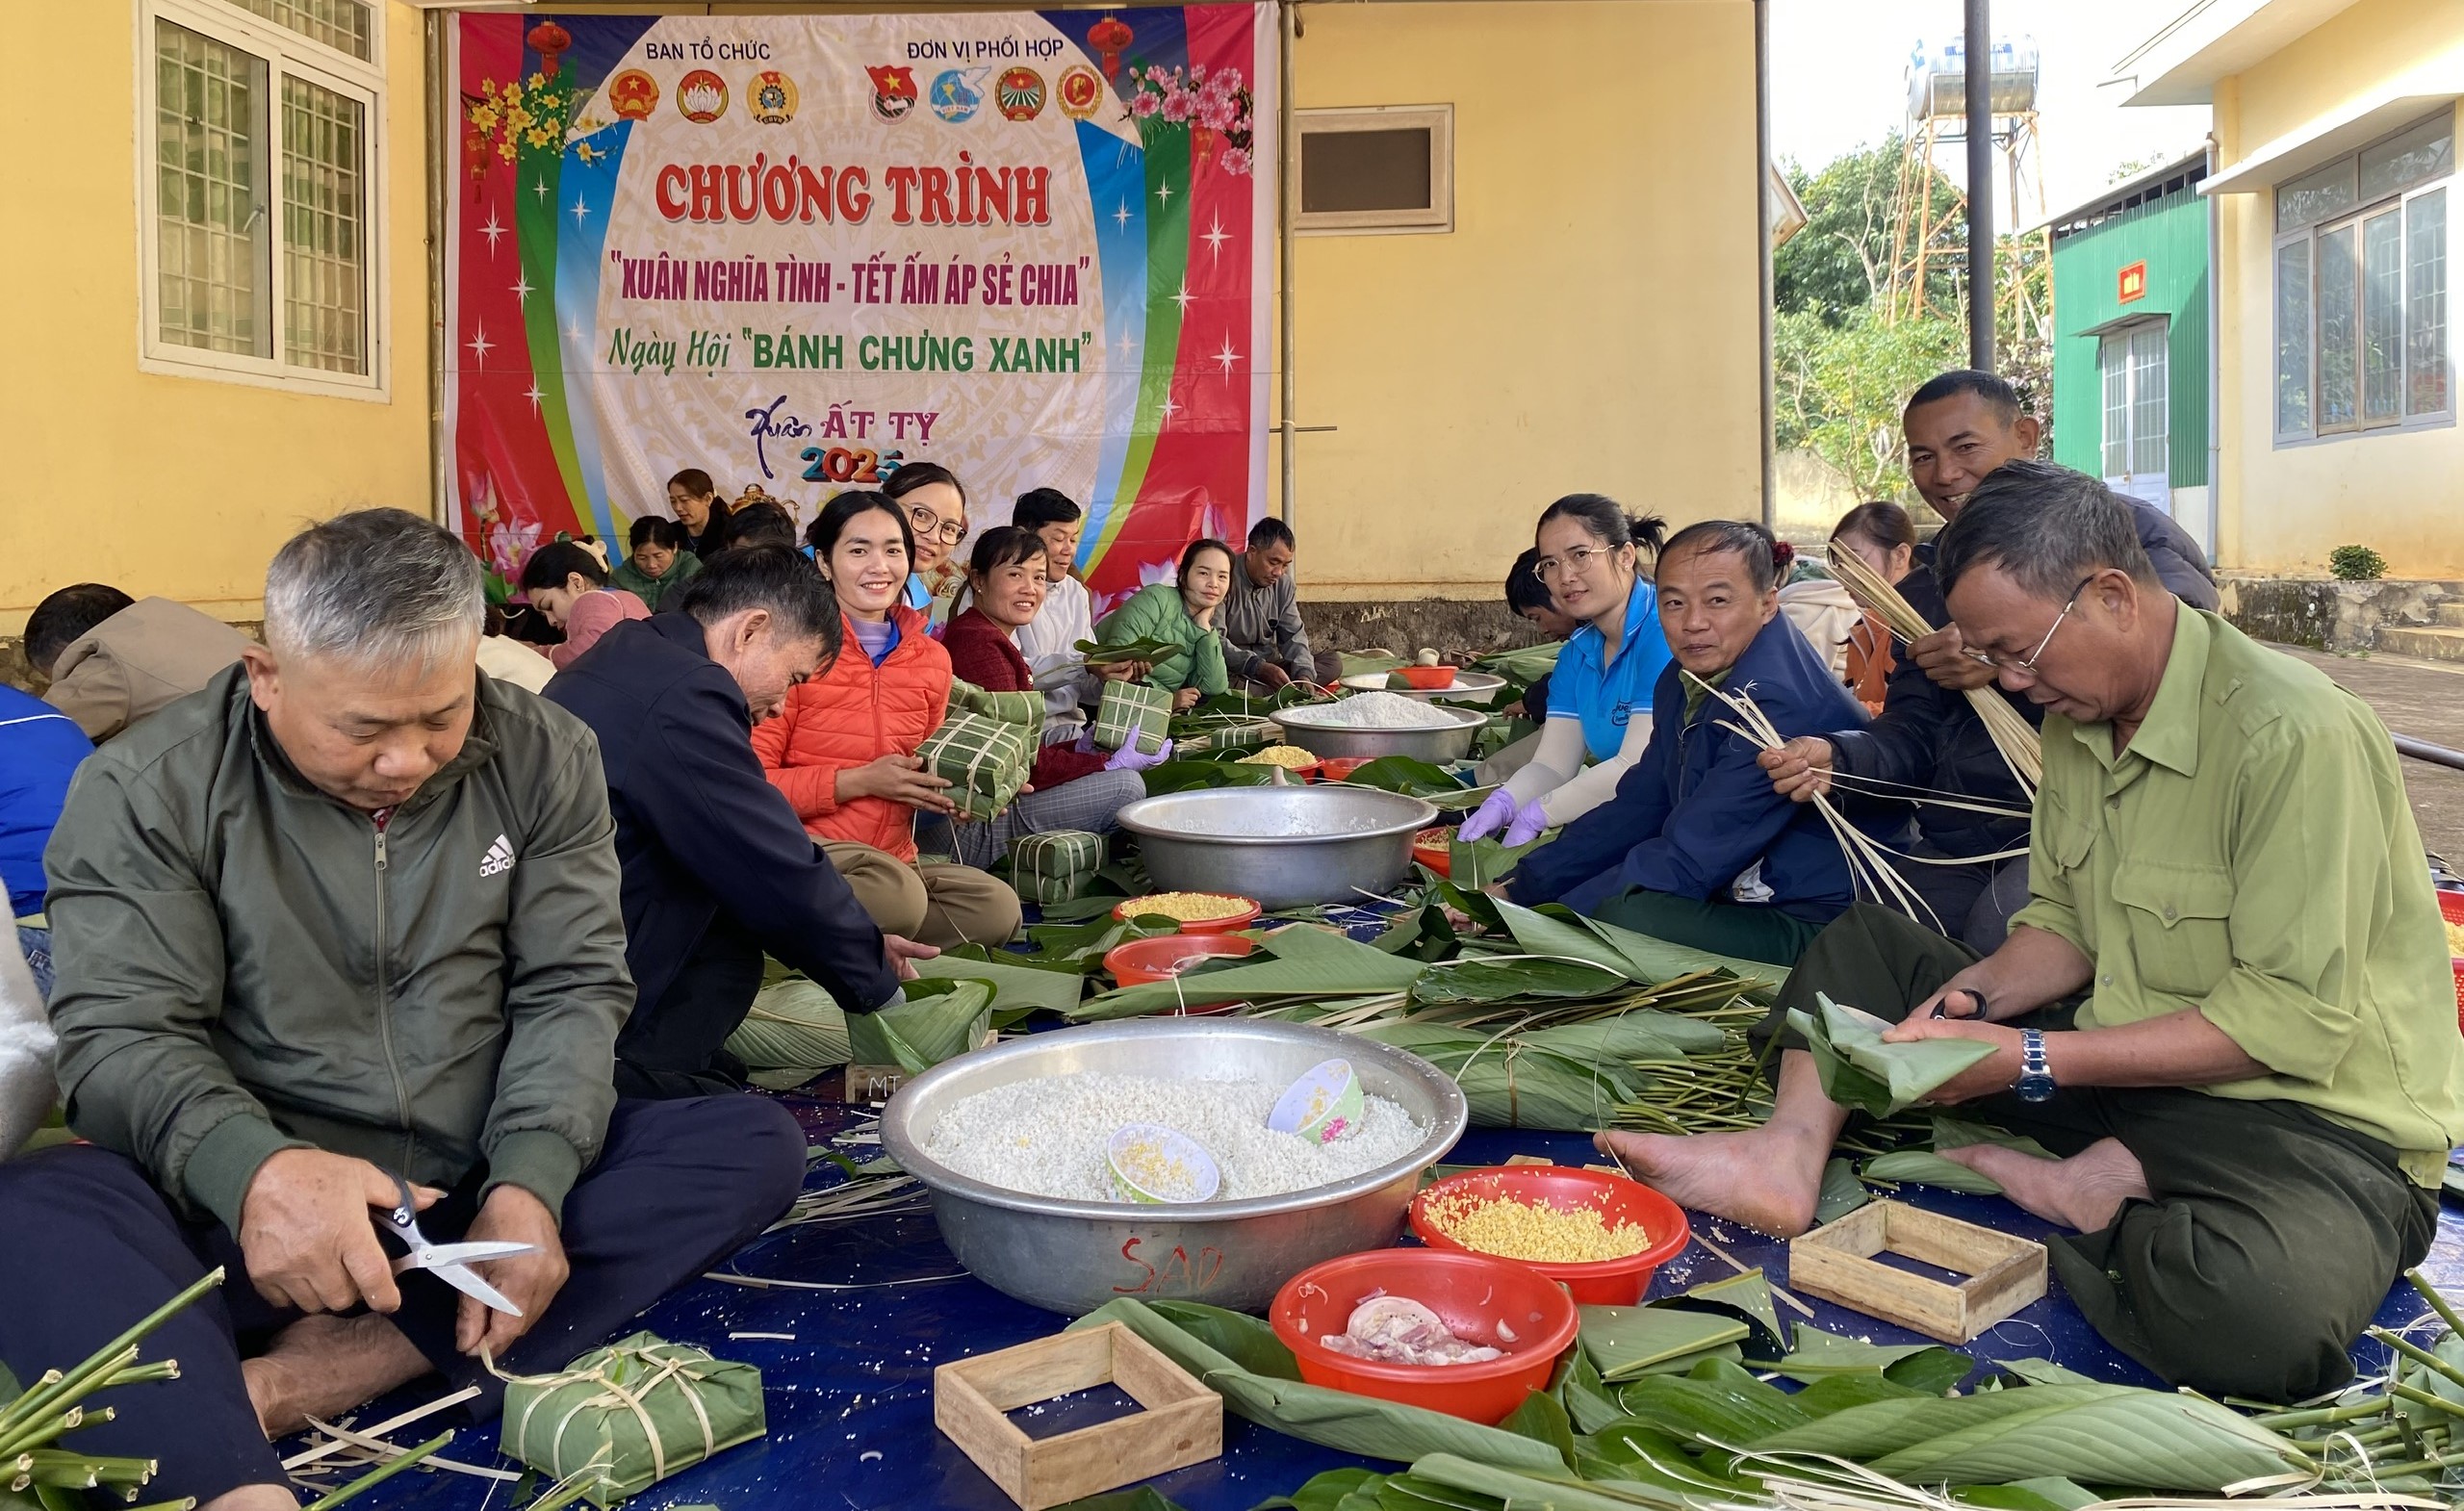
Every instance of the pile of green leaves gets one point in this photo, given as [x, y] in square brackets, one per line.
[1661, 1406]
[939, 1019]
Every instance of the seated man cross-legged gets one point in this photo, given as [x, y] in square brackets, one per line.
[349, 913]
[2226, 1008]
[1695, 847]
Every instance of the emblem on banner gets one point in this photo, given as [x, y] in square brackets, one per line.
[955, 97]
[893, 92]
[774, 98]
[1080, 94]
[632, 94]
[702, 96]
[1019, 93]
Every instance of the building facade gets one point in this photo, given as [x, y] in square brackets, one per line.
[2130, 352]
[232, 333]
[2335, 152]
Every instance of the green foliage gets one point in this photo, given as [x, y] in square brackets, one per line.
[2356, 564]
[1837, 387]
[1840, 262]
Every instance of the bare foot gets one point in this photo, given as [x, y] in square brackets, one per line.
[1769, 1179]
[320, 1365]
[2082, 1193]
[255, 1498]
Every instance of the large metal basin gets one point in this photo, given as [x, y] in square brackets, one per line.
[1288, 846]
[1073, 1256]
[1438, 744]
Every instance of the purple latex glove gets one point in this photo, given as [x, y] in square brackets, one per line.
[1127, 758]
[1496, 811]
[1527, 826]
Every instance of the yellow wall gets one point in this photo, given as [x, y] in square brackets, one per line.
[1590, 323]
[2282, 508]
[178, 486]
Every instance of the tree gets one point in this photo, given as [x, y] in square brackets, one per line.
[1840, 260]
[1837, 388]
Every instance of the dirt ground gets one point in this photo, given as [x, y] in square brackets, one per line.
[2426, 701]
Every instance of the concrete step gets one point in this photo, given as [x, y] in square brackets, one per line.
[2441, 644]
[2451, 614]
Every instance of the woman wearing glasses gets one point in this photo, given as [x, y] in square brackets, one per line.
[935, 505]
[1591, 559]
[843, 748]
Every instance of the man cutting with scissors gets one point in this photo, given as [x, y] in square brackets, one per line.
[340, 969]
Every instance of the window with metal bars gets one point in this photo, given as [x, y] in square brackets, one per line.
[262, 191]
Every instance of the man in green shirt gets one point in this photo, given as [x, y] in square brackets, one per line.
[2228, 1006]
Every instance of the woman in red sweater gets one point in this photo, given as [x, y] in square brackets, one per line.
[1073, 786]
[843, 748]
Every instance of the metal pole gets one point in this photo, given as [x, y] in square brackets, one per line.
[1288, 158]
[1980, 185]
[442, 138]
[1762, 252]
[2424, 750]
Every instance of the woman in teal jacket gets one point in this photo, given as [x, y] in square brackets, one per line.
[1180, 615]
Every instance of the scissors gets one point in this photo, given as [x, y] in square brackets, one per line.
[448, 1262]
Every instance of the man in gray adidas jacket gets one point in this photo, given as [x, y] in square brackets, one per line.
[349, 912]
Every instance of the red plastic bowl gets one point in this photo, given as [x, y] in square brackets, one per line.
[1472, 1292]
[1339, 768]
[1604, 1281]
[1142, 961]
[1429, 678]
[1435, 848]
[1229, 923]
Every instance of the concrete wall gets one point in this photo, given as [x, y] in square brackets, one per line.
[1589, 324]
[2283, 507]
[181, 486]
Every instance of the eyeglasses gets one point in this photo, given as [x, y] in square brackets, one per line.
[948, 531]
[2028, 667]
[1547, 568]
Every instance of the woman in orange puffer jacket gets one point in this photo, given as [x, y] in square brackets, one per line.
[843, 748]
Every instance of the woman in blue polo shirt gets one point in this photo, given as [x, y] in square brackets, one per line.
[1592, 559]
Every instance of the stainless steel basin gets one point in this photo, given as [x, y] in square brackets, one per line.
[1287, 847]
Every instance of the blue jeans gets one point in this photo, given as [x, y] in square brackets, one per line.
[37, 945]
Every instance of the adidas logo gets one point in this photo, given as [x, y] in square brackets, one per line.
[498, 860]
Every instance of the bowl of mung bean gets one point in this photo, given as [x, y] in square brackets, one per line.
[1602, 1236]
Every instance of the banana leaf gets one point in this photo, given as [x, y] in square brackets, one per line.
[1749, 1293]
[1957, 1133]
[1566, 936]
[1416, 778]
[1484, 978]
[1627, 1341]
[1189, 776]
[1332, 1419]
[1841, 1192]
[1657, 961]
[794, 1031]
[1820, 1355]
[1509, 1085]
[1016, 988]
[938, 1020]
[1859, 1071]
[1330, 1492]
[1480, 862]
[1839, 1392]
[1642, 1458]
[1588, 1402]
[1638, 1033]
[1924, 1168]
[1717, 1401]
[2097, 1434]
[1332, 966]
[1525, 1491]
[1246, 1341]
[1522, 663]
[1096, 654]
[1543, 1421]
[2049, 1493]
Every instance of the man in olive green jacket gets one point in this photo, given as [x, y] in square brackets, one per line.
[2226, 1010]
[349, 913]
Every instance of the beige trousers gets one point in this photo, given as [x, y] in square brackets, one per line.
[943, 905]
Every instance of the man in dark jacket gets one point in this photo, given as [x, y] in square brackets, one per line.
[1696, 848]
[717, 869]
[1960, 428]
[348, 915]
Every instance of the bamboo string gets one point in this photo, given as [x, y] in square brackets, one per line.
[2021, 749]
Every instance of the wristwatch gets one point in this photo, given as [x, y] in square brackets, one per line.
[2035, 1073]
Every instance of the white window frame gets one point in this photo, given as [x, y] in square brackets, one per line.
[1438, 219]
[2352, 219]
[283, 51]
[2126, 333]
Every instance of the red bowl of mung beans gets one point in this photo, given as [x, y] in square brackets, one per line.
[1615, 1232]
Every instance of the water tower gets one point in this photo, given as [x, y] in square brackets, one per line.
[1928, 235]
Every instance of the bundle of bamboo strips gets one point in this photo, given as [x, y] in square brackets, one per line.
[2012, 735]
